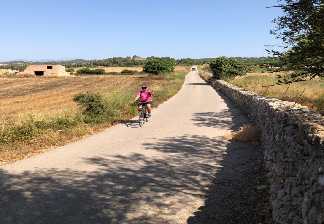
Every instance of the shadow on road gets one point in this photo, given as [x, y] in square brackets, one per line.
[198, 84]
[130, 123]
[230, 118]
[119, 191]
[234, 197]
[142, 189]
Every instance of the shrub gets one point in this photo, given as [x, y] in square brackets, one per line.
[63, 122]
[127, 72]
[159, 65]
[32, 128]
[94, 107]
[225, 68]
[90, 71]
[70, 70]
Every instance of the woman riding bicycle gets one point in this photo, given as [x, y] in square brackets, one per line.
[145, 97]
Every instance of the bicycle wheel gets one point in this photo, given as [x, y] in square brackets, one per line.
[141, 118]
[145, 113]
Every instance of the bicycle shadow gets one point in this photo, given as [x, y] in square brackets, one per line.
[131, 123]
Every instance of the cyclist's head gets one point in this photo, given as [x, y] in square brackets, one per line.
[144, 86]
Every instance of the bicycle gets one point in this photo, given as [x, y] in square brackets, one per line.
[142, 114]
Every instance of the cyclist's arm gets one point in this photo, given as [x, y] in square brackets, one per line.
[137, 97]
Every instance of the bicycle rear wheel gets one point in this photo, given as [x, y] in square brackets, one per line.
[141, 119]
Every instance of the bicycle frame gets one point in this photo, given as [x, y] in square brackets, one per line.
[143, 115]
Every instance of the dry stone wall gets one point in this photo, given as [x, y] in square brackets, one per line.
[293, 140]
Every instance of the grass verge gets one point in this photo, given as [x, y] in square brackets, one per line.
[34, 133]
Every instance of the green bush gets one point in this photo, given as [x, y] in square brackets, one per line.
[94, 107]
[225, 68]
[90, 71]
[159, 65]
[70, 70]
[128, 72]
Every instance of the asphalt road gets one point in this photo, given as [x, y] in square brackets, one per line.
[179, 168]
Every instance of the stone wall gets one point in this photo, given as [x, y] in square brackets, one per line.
[293, 140]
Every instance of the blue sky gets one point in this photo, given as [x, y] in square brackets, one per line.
[66, 29]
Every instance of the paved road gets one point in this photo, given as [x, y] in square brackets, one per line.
[161, 173]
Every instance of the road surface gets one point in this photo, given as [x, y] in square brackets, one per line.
[178, 168]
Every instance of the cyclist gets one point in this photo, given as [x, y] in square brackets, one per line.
[145, 96]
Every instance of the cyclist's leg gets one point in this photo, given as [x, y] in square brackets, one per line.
[149, 108]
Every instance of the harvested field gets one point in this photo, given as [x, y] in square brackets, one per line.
[120, 69]
[50, 96]
[182, 68]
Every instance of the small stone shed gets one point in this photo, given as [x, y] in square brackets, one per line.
[45, 70]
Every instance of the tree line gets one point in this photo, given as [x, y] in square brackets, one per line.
[251, 62]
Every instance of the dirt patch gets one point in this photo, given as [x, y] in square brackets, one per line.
[181, 68]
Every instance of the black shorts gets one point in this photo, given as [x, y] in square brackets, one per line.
[143, 104]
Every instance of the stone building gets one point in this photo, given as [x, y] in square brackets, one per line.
[45, 70]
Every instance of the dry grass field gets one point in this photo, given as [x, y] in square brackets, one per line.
[309, 93]
[182, 68]
[37, 113]
[50, 96]
[120, 69]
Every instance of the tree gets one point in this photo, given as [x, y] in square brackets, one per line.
[156, 66]
[301, 29]
[224, 68]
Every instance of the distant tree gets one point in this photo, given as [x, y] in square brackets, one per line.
[301, 29]
[156, 66]
[70, 70]
[190, 61]
[15, 66]
[224, 68]
[89, 71]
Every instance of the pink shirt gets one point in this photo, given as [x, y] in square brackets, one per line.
[145, 96]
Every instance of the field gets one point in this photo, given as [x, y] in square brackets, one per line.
[182, 68]
[309, 93]
[50, 96]
[120, 69]
[37, 113]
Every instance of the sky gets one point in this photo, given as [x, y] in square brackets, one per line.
[94, 29]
